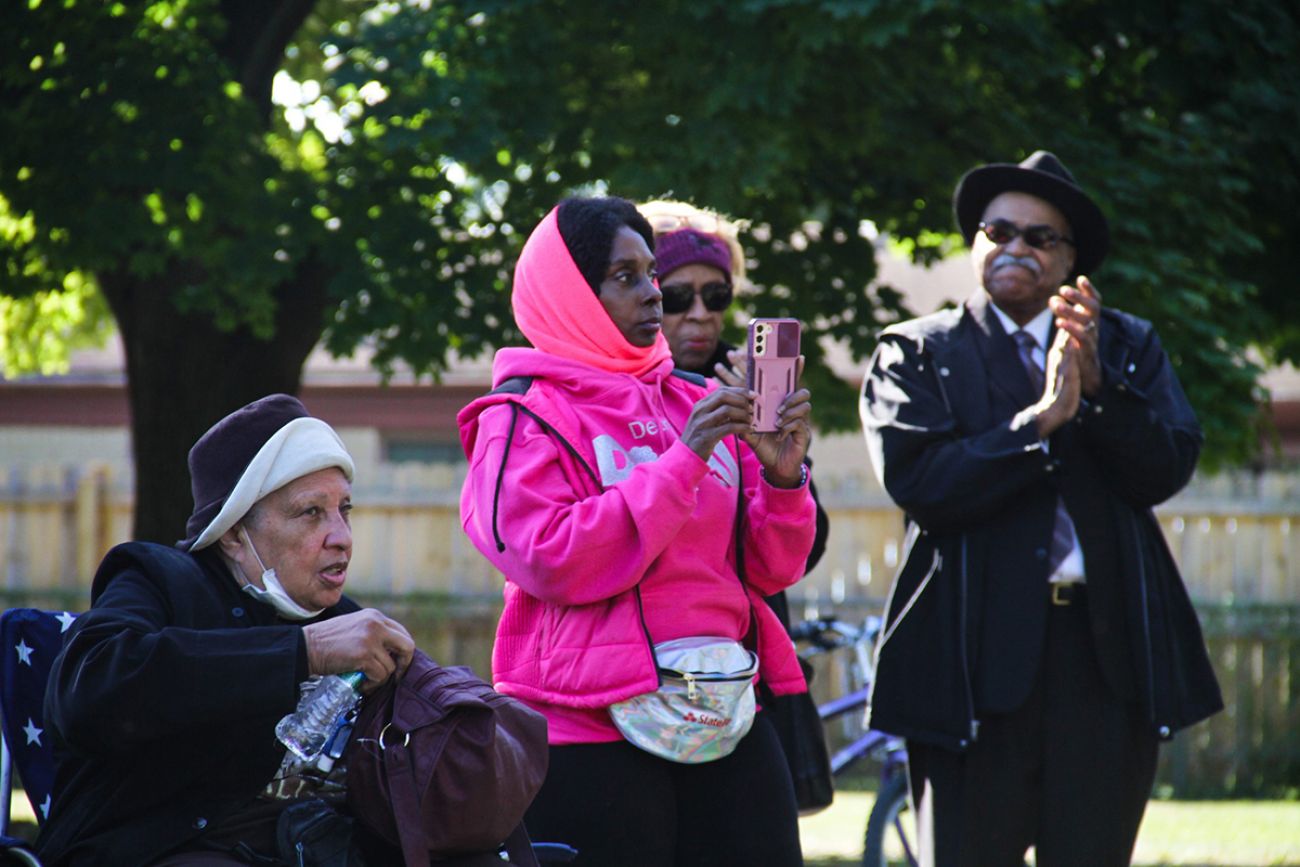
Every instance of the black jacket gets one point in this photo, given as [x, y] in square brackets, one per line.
[163, 705]
[966, 618]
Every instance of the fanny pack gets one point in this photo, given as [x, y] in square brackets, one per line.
[703, 706]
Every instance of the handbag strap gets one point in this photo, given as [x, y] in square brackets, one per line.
[519, 849]
[750, 639]
[751, 635]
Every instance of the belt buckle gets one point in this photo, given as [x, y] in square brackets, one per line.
[1061, 593]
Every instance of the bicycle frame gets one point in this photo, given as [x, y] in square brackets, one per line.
[886, 748]
[830, 636]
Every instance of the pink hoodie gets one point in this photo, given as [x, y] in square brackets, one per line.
[612, 533]
[573, 547]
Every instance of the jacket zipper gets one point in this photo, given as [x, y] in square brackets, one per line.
[935, 564]
[1146, 626]
[974, 724]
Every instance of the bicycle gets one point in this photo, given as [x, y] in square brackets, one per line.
[886, 833]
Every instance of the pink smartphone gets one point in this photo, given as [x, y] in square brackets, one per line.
[773, 354]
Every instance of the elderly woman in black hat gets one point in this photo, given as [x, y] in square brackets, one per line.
[164, 701]
[1039, 642]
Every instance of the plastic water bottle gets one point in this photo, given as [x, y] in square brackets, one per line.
[308, 729]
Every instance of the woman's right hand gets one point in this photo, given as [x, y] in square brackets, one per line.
[367, 641]
[724, 412]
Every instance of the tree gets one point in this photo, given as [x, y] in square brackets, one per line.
[138, 142]
[424, 140]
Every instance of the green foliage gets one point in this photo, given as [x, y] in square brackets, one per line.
[809, 117]
[39, 331]
[126, 139]
[427, 138]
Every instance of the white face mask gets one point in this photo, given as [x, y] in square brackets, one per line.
[274, 594]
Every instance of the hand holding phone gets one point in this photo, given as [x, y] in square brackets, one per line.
[772, 353]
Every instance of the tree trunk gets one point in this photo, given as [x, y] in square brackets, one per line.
[184, 375]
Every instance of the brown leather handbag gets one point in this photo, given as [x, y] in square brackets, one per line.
[443, 766]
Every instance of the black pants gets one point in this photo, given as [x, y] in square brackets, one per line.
[1069, 772]
[619, 806]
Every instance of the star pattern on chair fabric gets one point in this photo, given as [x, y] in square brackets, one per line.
[35, 637]
[33, 733]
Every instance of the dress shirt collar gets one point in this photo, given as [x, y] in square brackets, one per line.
[1039, 327]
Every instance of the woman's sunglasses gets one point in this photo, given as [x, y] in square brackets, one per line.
[678, 297]
[1039, 237]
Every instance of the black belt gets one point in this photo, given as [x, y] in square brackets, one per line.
[1068, 592]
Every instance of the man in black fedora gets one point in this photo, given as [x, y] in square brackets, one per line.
[1039, 641]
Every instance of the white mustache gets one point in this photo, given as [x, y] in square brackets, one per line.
[1023, 261]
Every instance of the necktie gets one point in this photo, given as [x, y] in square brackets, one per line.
[1063, 528]
[1026, 344]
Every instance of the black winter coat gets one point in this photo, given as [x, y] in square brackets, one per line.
[966, 618]
[163, 705]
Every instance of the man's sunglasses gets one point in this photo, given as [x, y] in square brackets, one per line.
[678, 297]
[1039, 237]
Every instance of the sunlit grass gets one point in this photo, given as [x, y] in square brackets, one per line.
[1183, 833]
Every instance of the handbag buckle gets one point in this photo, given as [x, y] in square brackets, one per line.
[406, 737]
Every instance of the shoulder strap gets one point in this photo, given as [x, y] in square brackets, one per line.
[519, 849]
[560, 438]
[516, 408]
[751, 636]
[518, 386]
[693, 378]
[514, 385]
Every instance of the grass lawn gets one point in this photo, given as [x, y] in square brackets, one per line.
[1184, 833]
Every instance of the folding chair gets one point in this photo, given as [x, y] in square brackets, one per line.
[29, 639]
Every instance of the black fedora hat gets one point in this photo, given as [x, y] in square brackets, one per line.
[1041, 174]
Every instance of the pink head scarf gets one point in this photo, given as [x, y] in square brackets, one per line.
[558, 312]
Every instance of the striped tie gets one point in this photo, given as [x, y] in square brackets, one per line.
[1063, 529]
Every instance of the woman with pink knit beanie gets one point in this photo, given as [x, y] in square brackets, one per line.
[617, 496]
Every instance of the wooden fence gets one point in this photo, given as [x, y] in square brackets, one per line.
[1237, 541]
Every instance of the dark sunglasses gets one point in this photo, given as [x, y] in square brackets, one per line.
[678, 297]
[1039, 237]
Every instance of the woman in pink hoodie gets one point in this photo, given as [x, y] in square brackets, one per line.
[605, 487]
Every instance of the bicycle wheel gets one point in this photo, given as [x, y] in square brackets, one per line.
[888, 841]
